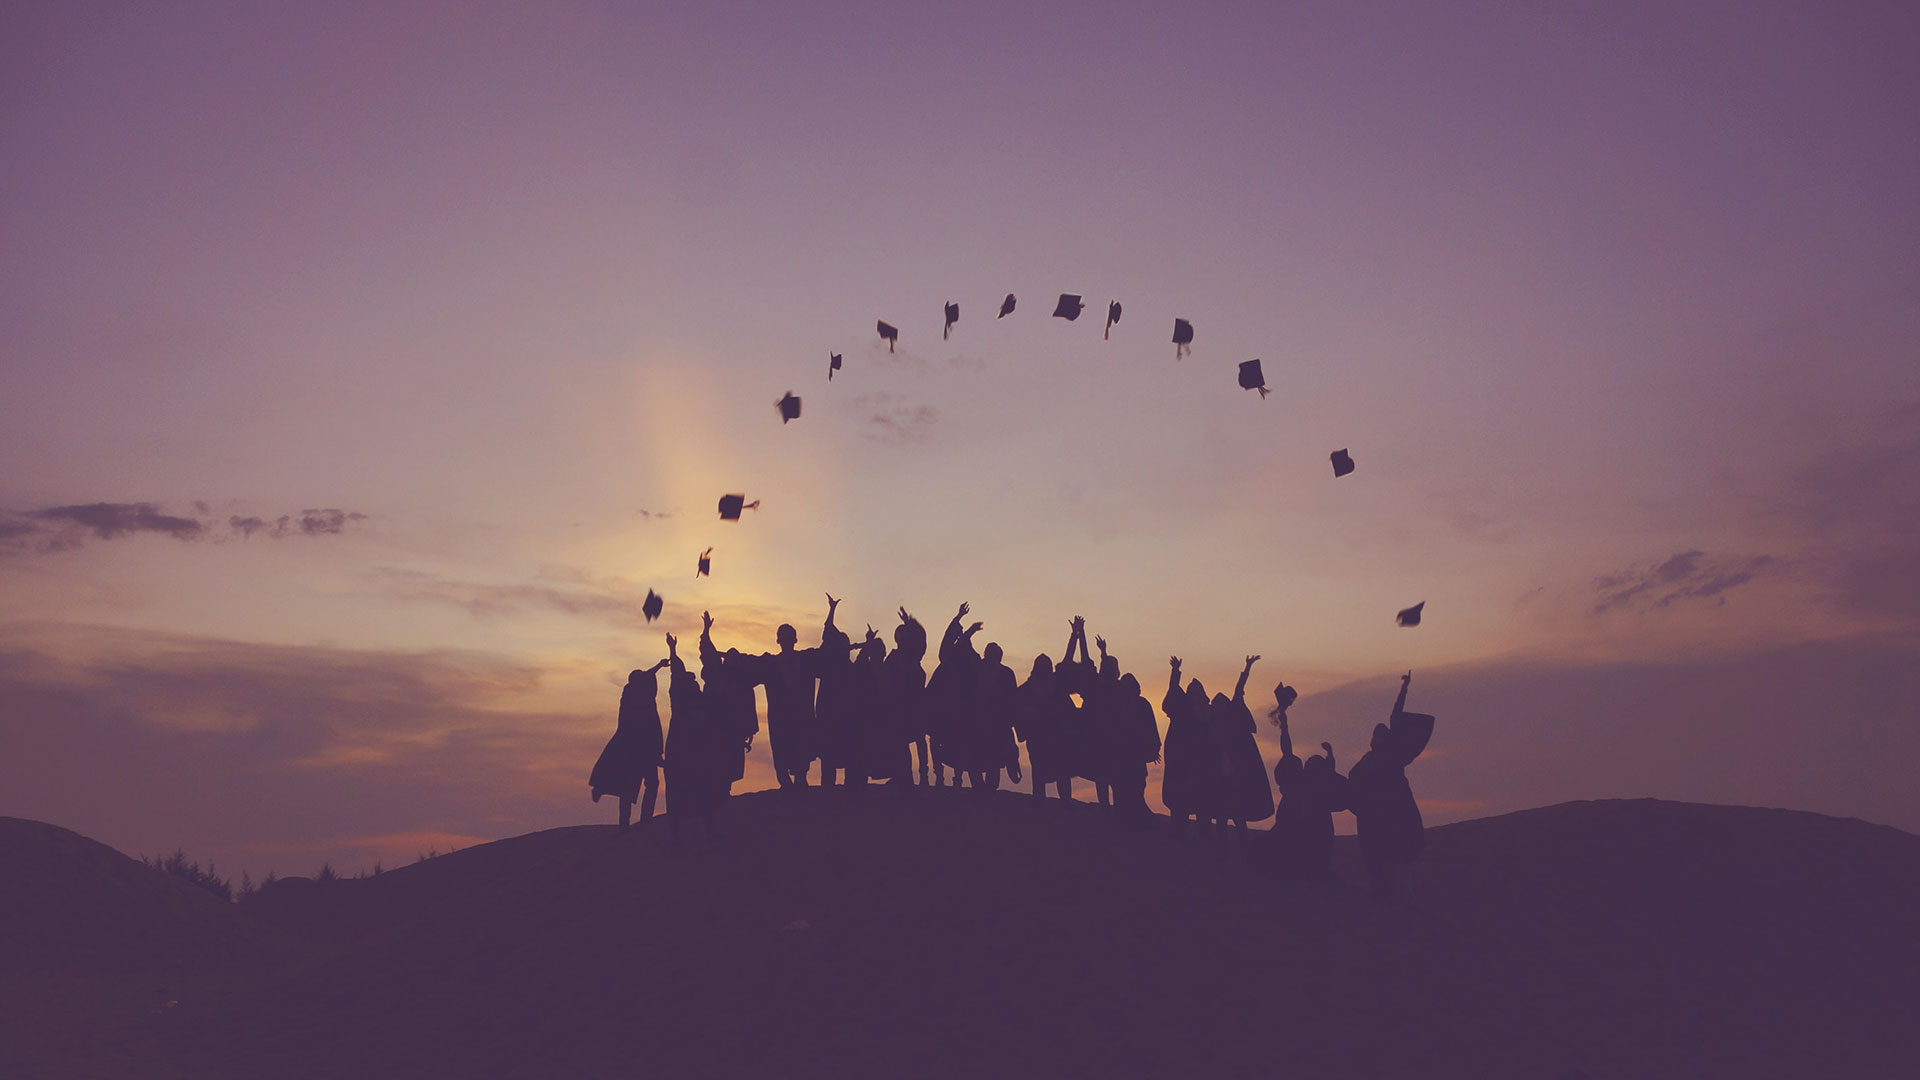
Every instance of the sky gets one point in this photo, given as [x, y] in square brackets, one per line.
[364, 366]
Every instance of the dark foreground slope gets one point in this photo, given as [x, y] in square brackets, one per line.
[954, 936]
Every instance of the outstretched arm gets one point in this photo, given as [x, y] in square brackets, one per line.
[655, 669]
[1240, 688]
[1173, 680]
[1102, 643]
[831, 605]
[708, 654]
[1400, 703]
[1286, 738]
[673, 655]
[1328, 747]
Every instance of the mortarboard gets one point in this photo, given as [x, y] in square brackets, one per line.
[1342, 464]
[706, 563]
[1182, 338]
[731, 505]
[1411, 616]
[833, 365]
[890, 333]
[1069, 307]
[1113, 316]
[650, 607]
[1251, 379]
[953, 316]
[1006, 307]
[789, 407]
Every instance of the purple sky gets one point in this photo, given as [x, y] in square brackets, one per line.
[1617, 307]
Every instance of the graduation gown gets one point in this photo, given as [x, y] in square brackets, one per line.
[789, 679]
[1190, 753]
[1245, 794]
[632, 756]
[1041, 715]
[696, 759]
[994, 746]
[1385, 813]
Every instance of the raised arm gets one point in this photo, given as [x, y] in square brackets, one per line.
[1400, 703]
[673, 655]
[1173, 686]
[1240, 688]
[709, 655]
[1102, 643]
[831, 605]
[1286, 738]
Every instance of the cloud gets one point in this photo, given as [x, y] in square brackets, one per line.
[107, 521]
[151, 741]
[891, 420]
[1823, 726]
[1686, 575]
[63, 528]
[1859, 506]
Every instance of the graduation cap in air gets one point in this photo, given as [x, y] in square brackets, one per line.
[1342, 463]
[953, 316]
[650, 607]
[1113, 316]
[833, 365]
[1411, 616]
[706, 563]
[889, 332]
[1069, 307]
[731, 505]
[1006, 307]
[789, 406]
[1252, 379]
[1182, 338]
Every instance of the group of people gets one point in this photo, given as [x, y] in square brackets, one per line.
[866, 713]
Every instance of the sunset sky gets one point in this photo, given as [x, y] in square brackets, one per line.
[364, 365]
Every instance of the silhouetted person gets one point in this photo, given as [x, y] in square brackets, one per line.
[1391, 832]
[1301, 840]
[1191, 751]
[729, 698]
[880, 753]
[630, 763]
[1246, 795]
[1040, 719]
[696, 750]
[993, 705]
[907, 683]
[834, 720]
[788, 676]
[1079, 755]
[1100, 717]
[949, 700]
[1136, 745]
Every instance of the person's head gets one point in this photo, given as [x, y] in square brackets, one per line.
[873, 651]
[1287, 772]
[910, 638]
[1221, 701]
[786, 636]
[733, 655]
[684, 684]
[1381, 733]
[1196, 693]
[1042, 665]
[1110, 668]
[1130, 684]
[1318, 766]
[992, 652]
[639, 677]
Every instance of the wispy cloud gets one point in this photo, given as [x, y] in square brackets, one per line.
[1686, 575]
[63, 528]
[892, 420]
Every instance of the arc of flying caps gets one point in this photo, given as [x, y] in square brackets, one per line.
[732, 505]
[652, 605]
[953, 316]
[1252, 379]
[833, 365]
[888, 333]
[706, 563]
[1342, 463]
[1182, 338]
[1113, 316]
[1006, 307]
[1069, 307]
[789, 407]
[1410, 616]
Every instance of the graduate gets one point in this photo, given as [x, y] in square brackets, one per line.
[630, 764]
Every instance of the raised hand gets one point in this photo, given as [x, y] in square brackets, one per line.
[1100, 643]
[831, 603]
[904, 617]
[673, 645]
[1328, 747]
[1252, 660]
[964, 608]
[974, 629]
[1175, 661]
[706, 620]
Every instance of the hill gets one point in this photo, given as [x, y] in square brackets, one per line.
[951, 935]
